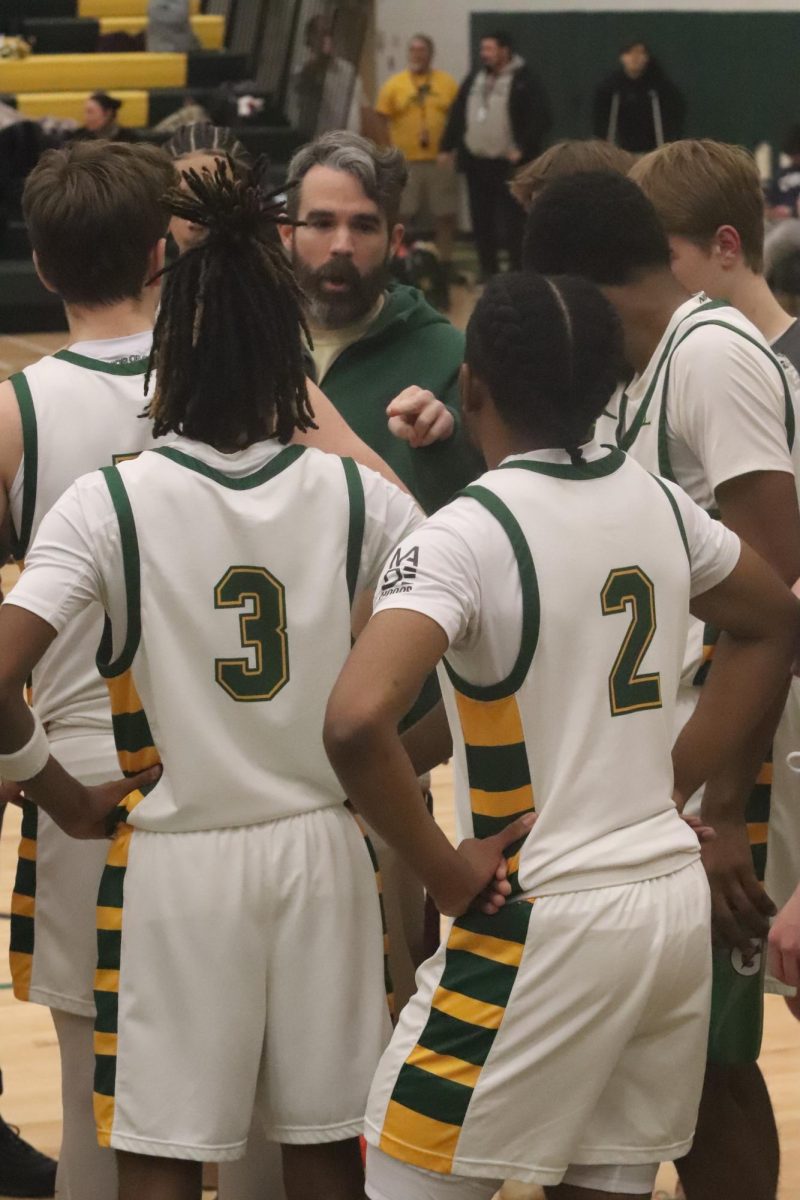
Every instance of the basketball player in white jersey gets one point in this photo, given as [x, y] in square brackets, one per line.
[709, 406]
[70, 413]
[557, 592]
[248, 959]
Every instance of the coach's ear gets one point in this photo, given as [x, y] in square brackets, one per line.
[43, 278]
[286, 233]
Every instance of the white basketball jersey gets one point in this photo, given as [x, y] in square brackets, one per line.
[637, 422]
[582, 728]
[78, 414]
[235, 624]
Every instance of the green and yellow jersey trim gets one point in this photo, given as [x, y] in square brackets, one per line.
[23, 904]
[106, 664]
[285, 458]
[355, 534]
[136, 366]
[530, 602]
[30, 464]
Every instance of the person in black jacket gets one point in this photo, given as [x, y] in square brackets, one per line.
[498, 121]
[638, 107]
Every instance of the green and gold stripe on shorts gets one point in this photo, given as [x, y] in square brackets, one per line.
[388, 983]
[436, 1083]
[498, 771]
[23, 904]
[136, 752]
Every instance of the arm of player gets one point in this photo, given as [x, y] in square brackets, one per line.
[335, 436]
[80, 811]
[428, 743]
[377, 686]
[727, 735]
[10, 459]
[761, 507]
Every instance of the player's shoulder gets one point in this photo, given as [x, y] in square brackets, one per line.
[722, 329]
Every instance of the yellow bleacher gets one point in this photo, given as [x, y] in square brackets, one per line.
[89, 72]
[120, 8]
[134, 112]
[209, 29]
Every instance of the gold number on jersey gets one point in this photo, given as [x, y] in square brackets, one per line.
[262, 630]
[628, 588]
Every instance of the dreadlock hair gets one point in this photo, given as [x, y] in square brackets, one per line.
[228, 341]
[201, 137]
[549, 351]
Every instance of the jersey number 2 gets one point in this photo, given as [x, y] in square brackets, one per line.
[263, 632]
[628, 691]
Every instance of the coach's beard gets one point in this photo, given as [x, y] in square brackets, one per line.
[356, 296]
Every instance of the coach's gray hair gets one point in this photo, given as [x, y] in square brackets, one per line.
[382, 172]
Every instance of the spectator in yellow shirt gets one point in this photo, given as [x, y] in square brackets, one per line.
[414, 106]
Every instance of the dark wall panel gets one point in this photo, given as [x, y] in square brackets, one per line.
[738, 71]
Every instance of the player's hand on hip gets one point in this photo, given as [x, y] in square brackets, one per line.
[704, 833]
[485, 884]
[784, 944]
[740, 907]
[10, 793]
[104, 799]
[417, 417]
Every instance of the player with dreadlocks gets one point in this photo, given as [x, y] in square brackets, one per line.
[227, 563]
[530, 1047]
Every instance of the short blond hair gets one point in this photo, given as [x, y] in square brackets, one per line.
[698, 185]
[567, 158]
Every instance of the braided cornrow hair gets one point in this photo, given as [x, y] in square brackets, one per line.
[550, 352]
[228, 341]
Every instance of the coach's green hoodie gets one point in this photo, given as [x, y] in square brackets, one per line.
[408, 343]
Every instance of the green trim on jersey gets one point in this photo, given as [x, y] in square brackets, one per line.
[129, 542]
[355, 534]
[664, 464]
[138, 367]
[596, 469]
[30, 464]
[241, 484]
[673, 503]
[530, 602]
[626, 437]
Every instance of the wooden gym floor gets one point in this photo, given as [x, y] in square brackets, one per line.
[28, 1050]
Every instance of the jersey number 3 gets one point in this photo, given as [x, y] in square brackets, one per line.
[628, 691]
[262, 630]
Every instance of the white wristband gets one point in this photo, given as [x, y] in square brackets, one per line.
[30, 759]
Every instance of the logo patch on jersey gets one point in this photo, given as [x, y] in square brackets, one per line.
[401, 572]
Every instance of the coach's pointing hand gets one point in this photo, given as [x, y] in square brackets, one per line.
[417, 417]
